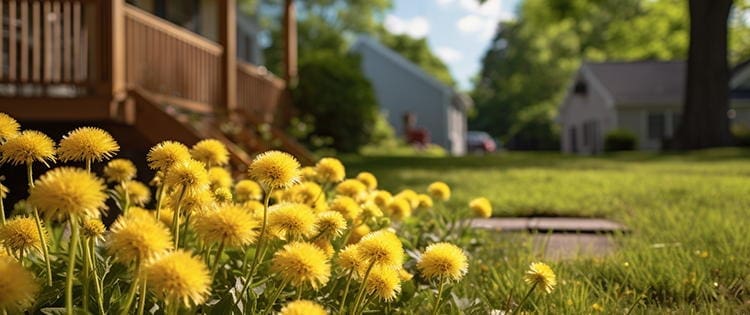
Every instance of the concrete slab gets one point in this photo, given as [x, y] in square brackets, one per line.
[558, 246]
[550, 225]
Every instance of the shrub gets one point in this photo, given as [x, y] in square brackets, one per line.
[620, 140]
[741, 134]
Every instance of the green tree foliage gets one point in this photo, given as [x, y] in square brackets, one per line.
[338, 97]
[418, 51]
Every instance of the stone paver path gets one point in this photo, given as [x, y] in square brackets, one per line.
[561, 238]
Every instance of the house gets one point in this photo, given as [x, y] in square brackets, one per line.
[403, 89]
[144, 70]
[643, 97]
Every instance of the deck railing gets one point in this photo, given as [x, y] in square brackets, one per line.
[47, 42]
[258, 91]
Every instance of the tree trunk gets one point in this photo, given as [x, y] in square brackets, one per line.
[704, 120]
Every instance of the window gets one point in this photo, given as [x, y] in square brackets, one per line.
[573, 139]
[676, 121]
[656, 126]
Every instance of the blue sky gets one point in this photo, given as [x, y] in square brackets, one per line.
[458, 31]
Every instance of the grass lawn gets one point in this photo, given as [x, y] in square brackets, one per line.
[689, 215]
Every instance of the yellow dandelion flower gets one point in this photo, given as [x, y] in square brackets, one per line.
[367, 178]
[87, 144]
[136, 238]
[302, 263]
[371, 210]
[303, 307]
[347, 206]
[349, 259]
[404, 275]
[18, 286]
[330, 170]
[425, 202]
[253, 206]
[440, 190]
[67, 191]
[291, 221]
[246, 190]
[411, 196]
[383, 248]
[165, 154]
[92, 228]
[399, 208]
[306, 193]
[351, 188]
[8, 127]
[358, 233]
[138, 193]
[189, 175]
[384, 283]
[194, 202]
[481, 207]
[308, 174]
[541, 276]
[138, 211]
[166, 216]
[230, 224]
[443, 261]
[275, 170]
[119, 170]
[278, 196]
[326, 246]
[223, 195]
[330, 224]
[219, 177]
[20, 234]
[382, 198]
[178, 277]
[27, 147]
[210, 152]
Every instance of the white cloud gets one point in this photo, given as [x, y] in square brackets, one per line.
[444, 3]
[448, 54]
[416, 27]
[482, 19]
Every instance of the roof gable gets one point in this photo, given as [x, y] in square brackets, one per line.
[641, 83]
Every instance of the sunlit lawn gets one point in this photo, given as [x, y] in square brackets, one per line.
[689, 215]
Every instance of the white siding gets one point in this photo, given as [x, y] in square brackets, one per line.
[588, 110]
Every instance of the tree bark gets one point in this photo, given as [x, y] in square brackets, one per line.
[704, 119]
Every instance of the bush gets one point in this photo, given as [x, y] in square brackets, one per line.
[741, 134]
[338, 97]
[620, 140]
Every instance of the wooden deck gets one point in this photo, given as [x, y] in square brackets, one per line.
[87, 61]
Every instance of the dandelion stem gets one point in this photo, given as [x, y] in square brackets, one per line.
[86, 275]
[218, 258]
[142, 296]
[45, 250]
[133, 289]
[125, 198]
[439, 296]
[72, 250]
[2, 212]
[275, 296]
[160, 196]
[346, 291]
[97, 284]
[259, 250]
[525, 297]
[176, 218]
[361, 292]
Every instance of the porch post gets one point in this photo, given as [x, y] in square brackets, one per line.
[228, 40]
[111, 50]
[290, 43]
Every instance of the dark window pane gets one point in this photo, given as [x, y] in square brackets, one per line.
[656, 126]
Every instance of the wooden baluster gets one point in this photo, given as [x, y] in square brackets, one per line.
[2, 38]
[24, 40]
[77, 53]
[66, 42]
[47, 77]
[36, 55]
[12, 40]
[57, 42]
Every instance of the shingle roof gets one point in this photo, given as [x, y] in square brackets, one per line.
[641, 82]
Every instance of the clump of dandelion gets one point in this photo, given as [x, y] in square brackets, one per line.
[8, 127]
[303, 307]
[382, 198]
[358, 232]
[301, 263]
[425, 202]
[179, 279]
[275, 170]
[444, 262]
[27, 147]
[188, 175]
[194, 202]
[247, 190]
[93, 228]
[378, 249]
[19, 288]
[367, 178]
[210, 152]
[439, 190]
[87, 144]
[253, 207]
[347, 206]
[229, 225]
[371, 210]
[399, 208]
[481, 207]
[351, 188]
[330, 225]
[308, 174]
[135, 238]
[119, 170]
[291, 221]
[137, 193]
[330, 170]
[384, 283]
[349, 259]
[165, 154]
[409, 195]
[20, 235]
[308, 193]
[219, 177]
[223, 195]
[67, 192]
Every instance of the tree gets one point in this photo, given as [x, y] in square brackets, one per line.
[704, 120]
